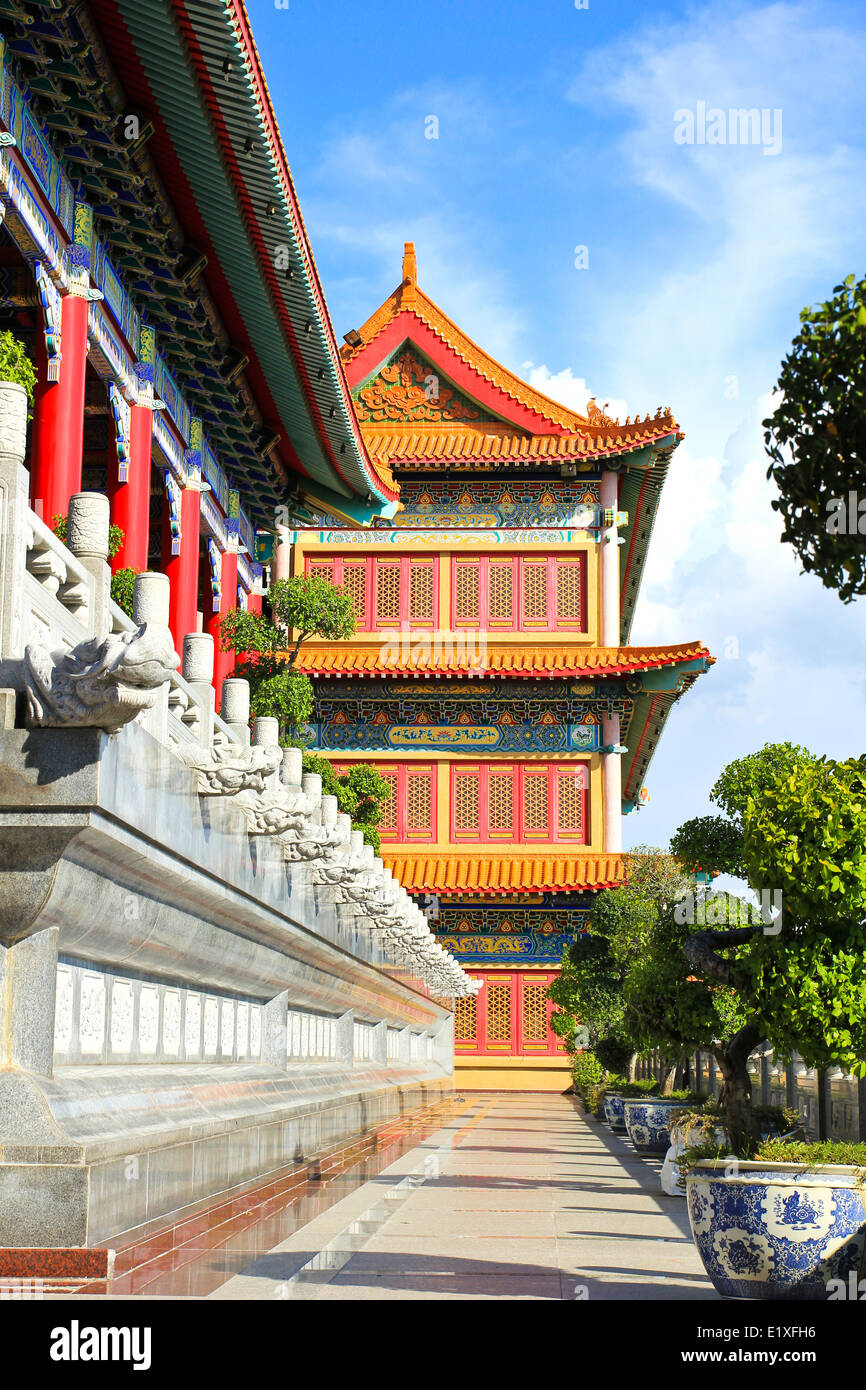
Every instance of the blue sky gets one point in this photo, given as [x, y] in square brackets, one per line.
[556, 131]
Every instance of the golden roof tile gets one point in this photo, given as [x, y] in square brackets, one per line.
[501, 870]
[417, 655]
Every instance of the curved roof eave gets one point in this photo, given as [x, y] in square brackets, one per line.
[200, 63]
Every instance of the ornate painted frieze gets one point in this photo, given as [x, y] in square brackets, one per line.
[458, 920]
[488, 716]
[494, 504]
[503, 949]
[409, 389]
[466, 534]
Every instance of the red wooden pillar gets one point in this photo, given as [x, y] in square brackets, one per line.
[223, 661]
[130, 500]
[58, 415]
[182, 569]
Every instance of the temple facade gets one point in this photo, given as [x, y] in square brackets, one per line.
[491, 679]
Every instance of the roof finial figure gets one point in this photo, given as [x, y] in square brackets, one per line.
[410, 275]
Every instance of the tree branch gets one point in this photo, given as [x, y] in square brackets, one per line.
[699, 950]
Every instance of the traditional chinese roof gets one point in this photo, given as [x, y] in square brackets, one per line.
[466, 870]
[462, 446]
[477, 408]
[409, 313]
[421, 658]
[431, 401]
[201, 219]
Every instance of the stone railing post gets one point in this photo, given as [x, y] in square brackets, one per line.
[14, 508]
[292, 769]
[87, 538]
[150, 596]
[197, 671]
[235, 707]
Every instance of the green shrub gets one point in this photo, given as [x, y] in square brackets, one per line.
[827, 1151]
[15, 365]
[360, 792]
[614, 1052]
[122, 586]
[588, 1075]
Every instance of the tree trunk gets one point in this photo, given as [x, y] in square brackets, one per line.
[632, 1066]
[670, 1077]
[735, 1099]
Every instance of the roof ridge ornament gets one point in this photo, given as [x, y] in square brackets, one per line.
[410, 276]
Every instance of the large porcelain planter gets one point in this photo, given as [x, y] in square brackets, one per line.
[776, 1230]
[613, 1112]
[648, 1121]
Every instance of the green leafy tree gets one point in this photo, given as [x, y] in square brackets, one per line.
[665, 1005]
[588, 991]
[816, 439]
[360, 792]
[267, 644]
[800, 978]
[714, 844]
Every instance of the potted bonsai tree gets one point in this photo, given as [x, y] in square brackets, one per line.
[17, 384]
[771, 1220]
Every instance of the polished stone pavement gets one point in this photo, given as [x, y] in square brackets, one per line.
[517, 1196]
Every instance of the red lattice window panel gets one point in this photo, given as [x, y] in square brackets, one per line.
[518, 593]
[386, 591]
[512, 803]
[350, 574]
[409, 814]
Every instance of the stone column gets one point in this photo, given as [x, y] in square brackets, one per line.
[346, 1039]
[28, 981]
[150, 600]
[14, 483]
[283, 553]
[197, 671]
[292, 769]
[274, 1030]
[87, 538]
[235, 707]
[443, 1045]
[380, 1044]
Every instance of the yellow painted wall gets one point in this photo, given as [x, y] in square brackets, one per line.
[512, 1073]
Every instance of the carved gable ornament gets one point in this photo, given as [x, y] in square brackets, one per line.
[409, 389]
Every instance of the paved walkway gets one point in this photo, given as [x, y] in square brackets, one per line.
[516, 1197]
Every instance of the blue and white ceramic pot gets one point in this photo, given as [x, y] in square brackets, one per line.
[613, 1111]
[777, 1230]
[648, 1121]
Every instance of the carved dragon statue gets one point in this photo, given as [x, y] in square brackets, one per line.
[102, 683]
[231, 769]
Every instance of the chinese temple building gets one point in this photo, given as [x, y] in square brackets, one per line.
[491, 678]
